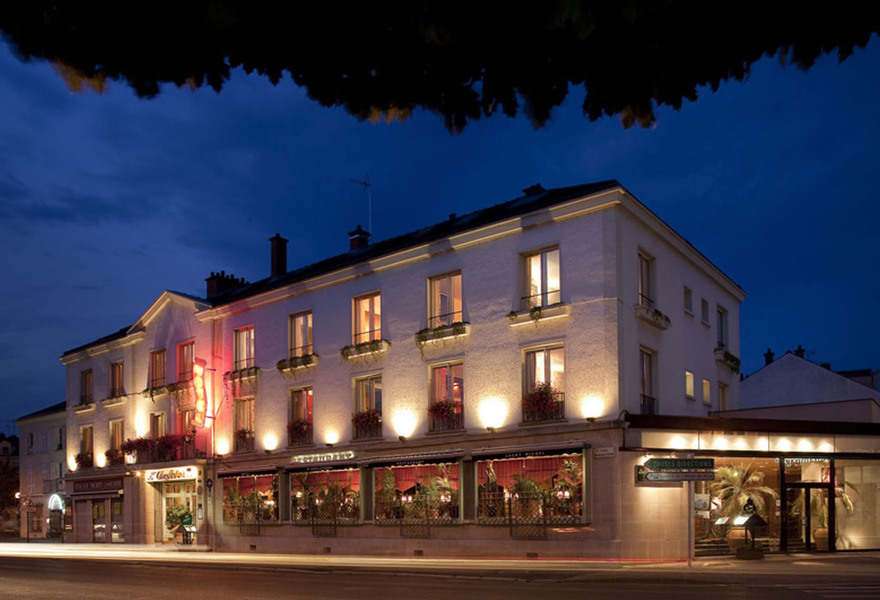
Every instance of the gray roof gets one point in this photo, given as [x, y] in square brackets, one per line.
[61, 407]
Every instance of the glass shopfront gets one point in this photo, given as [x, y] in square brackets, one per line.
[328, 495]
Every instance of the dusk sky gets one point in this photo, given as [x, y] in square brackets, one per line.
[106, 200]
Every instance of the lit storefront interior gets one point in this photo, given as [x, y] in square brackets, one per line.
[805, 479]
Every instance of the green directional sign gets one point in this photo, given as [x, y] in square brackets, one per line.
[679, 464]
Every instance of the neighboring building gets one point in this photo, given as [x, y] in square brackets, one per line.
[463, 389]
[42, 466]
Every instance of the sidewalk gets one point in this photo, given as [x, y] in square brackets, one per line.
[809, 567]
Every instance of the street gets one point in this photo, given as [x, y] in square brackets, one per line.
[213, 576]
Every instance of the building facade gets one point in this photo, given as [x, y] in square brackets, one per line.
[42, 467]
[463, 389]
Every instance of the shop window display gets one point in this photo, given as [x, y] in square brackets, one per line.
[251, 499]
[325, 496]
[419, 492]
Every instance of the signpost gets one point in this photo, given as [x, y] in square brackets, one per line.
[679, 464]
[679, 476]
[672, 470]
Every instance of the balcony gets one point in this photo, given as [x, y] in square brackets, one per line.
[724, 357]
[652, 316]
[537, 314]
[295, 363]
[299, 433]
[445, 415]
[441, 333]
[648, 405]
[167, 448]
[543, 404]
[84, 460]
[371, 348]
[243, 441]
[367, 425]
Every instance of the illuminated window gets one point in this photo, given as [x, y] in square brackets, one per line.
[688, 300]
[646, 280]
[185, 355]
[116, 434]
[300, 334]
[86, 439]
[368, 393]
[157, 368]
[185, 420]
[367, 325]
[117, 387]
[301, 404]
[707, 392]
[545, 365]
[445, 300]
[542, 279]
[157, 425]
[243, 414]
[689, 385]
[243, 348]
[447, 383]
[85, 386]
[721, 330]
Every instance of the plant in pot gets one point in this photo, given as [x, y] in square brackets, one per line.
[735, 486]
[542, 404]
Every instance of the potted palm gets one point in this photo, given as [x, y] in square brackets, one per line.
[735, 486]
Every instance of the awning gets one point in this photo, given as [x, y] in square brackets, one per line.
[420, 458]
[267, 470]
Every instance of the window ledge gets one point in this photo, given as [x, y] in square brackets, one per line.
[371, 348]
[158, 390]
[241, 374]
[114, 400]
[84, 408]
[538, 314]
[652, 317]
[297, 363]
[542, 422]
[728, 359]
[444, 332]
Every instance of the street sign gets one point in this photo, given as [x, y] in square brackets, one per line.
[679, 476]
[680, 464]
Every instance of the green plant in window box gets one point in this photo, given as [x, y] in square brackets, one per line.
[443, 410]
[242, 435]
[84, 460]
[542, 403]
[367, 419]
[299, 429]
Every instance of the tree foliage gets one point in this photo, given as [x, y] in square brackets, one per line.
[462, 59]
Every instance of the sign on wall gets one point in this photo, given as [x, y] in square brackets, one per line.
[172, 474]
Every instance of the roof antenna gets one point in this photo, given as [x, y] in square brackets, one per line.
[365, 182]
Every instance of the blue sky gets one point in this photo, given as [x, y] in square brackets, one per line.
[106, 200]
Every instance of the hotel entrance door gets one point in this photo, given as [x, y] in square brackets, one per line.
[809, 518]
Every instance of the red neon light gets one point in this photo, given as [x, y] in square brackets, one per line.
[198, 380]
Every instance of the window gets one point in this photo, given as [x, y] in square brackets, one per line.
[116, 434]
[445, 300]
[300, 334]
[86, 438]
[30, 443]
[545, 366]
[704, 311]
[243, 423]
[299, 421]
[117, 388]
[85, 387]
[722, 396]
[688, 300]
[184, 420]
[157, 425]
[648, 403]
[447, 386]
[157, 368]
[243, 348]
[646, 280]
[542, 279]
[722, 328]
[367, 325]
[59, 438]
[689, 385]
[185, 356]
[707, 392]
[368, 393]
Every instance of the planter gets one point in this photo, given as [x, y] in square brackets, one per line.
[820, 538]
[736, 538]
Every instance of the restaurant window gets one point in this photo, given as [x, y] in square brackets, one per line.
[417, 492]
[367, 318]
[243, 348]
[117, 387]
[250, 499]
[299, 420]
[185, 356]
[547, 489]
[445, 307]
[85, 387]
[857, 498]
[300, 334]
[542, 279]
[157, 368]
[447, 397]
[332, 495]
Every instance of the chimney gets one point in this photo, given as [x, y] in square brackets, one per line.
[768, 357]
[279, 255]
[358, 238]
[220, 283]
[799, 351]
[534, 189]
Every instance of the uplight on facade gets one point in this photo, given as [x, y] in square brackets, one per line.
[592, 407]
[222, 446]
[404, 422]
[270, 441]
[492, 412]
[331, 437]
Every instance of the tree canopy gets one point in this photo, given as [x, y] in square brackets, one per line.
[462, 59]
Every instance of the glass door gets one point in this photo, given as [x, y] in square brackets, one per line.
[808, 522]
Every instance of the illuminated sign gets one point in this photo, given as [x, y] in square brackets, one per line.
[173, 474]
[304, 459]
[98, 485]
[198, 382]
